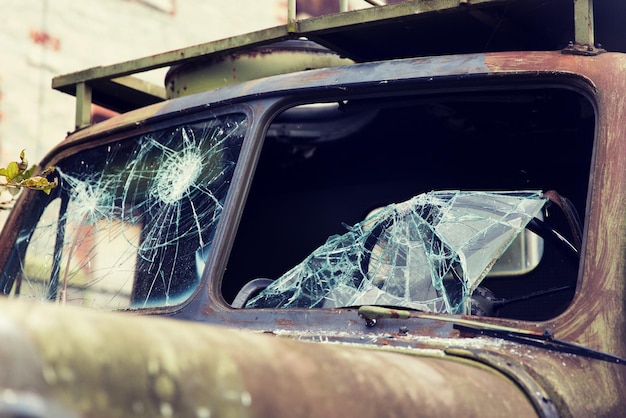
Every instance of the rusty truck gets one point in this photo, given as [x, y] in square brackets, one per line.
[412, 209]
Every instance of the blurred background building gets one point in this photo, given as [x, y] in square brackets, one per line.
[40, 39]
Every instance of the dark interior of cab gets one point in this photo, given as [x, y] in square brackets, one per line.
[329, 164]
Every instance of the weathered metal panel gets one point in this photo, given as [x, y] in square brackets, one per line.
[251, 64]
[85, 363]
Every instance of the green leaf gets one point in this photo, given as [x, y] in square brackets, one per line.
[12, 171]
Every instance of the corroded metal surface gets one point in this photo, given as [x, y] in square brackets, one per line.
[252, 64]
[99, 364]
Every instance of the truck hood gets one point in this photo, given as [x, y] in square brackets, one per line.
[66, 361]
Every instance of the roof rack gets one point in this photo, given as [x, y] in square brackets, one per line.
[410, 28]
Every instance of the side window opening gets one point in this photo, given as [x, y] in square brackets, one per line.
[313, 179]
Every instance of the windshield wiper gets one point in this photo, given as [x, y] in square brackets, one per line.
[544, 339]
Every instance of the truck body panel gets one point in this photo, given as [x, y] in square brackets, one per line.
[213, 223]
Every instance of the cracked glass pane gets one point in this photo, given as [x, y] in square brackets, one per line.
[428, 253]
[125, 225]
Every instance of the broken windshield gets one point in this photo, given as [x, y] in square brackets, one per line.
[428, 253]
[125, 225]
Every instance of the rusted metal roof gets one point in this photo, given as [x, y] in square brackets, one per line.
[406, 29]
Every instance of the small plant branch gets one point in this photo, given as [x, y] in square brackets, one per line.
[18, 176]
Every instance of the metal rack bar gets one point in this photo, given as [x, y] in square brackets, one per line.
[115, 87]
[583, 22]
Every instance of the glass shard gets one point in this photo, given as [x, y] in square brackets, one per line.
[428, 253]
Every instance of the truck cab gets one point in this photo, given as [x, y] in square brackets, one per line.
[412, 207]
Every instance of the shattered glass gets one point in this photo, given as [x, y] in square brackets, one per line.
[428, 253]
[125, 225]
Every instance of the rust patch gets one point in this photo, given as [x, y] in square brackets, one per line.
[285, 322]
